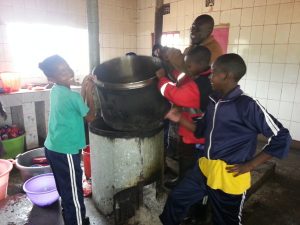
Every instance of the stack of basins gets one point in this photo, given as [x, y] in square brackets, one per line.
[127, 143]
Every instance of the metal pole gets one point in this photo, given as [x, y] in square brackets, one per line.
[93, 32]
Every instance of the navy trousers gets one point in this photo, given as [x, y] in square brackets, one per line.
[68, 177]
[227, 209]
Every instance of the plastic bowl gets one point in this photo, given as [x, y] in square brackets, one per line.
[5, 167]
[41, 190]
[24, 161]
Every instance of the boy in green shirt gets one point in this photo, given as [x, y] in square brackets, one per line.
[66, 137]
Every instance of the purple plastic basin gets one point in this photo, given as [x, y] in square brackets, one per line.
[41, 190]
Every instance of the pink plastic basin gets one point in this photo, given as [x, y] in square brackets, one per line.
[41, 190]
[5, 167]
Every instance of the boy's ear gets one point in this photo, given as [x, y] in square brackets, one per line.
[230, 76]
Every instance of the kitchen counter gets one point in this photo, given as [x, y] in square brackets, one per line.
[29, 110]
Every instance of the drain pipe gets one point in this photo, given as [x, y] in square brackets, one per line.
[93, 32]
[158, 23]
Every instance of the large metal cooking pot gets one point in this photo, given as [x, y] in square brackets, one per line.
[128, 93]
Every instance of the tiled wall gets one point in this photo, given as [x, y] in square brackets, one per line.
[71, 13]
[118, 30]
[145, 26]
[266, 33]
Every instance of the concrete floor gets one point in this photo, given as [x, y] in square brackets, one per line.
[277, 202]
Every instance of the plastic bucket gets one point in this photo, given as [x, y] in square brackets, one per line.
[24, 162]
[11, 81]
[13, 146]
[41, 190]
[87, 161]
[5, 167]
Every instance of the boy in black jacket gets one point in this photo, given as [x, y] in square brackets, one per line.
[230, 126]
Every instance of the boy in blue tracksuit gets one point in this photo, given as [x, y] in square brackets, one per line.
[230, 126]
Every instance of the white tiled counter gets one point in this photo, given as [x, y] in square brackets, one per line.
[29, 110]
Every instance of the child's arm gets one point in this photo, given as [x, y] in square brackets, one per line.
[197, 128]
[186, 95]
[86, 92]
[239, 169]
[256, 117]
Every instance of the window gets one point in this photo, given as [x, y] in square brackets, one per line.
[31, 43]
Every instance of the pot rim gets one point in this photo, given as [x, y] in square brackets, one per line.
[125, 86]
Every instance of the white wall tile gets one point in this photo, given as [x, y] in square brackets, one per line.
[291, 73]
[296, 14]
[293, 55]
[264, 71]
[235, 17]
[295, 130]
[243, 51]
[266, 54]
[248, 3]
[262, 89]
[234, 35]
[250, 87]
[236, 4]
[198, 7]
[296, 112]
[252, 71]
[288, 92]
[246, 19]
[256, 35]
[269, 34]
[297, 95]
[285, 110]
[282, 33]
[274, 92]
[225, 4]
[277, 72]
[254, 53]
[225, 17]
[245, 34]
[295, 33]
[188, 7]
[260, 2]
[217, 6]
[259, 15]
[272, 14]
[285, 13]
[273, 107]
[280, 52]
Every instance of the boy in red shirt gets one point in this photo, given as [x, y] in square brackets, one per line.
[190, 92]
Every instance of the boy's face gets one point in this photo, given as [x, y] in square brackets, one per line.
[193, 68]
[199, 33]
[217, 79]
[64, 75]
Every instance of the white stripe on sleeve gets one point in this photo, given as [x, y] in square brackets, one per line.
[163, 88]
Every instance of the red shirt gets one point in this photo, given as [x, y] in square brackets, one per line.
[186, 95]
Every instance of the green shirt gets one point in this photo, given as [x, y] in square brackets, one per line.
[65, 127]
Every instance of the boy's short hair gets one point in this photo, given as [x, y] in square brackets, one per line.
[231, 63]
[199, 54]
[205, 21]
[48, 66]
[155, 47]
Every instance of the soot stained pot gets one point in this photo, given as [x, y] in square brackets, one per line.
[128, 93]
